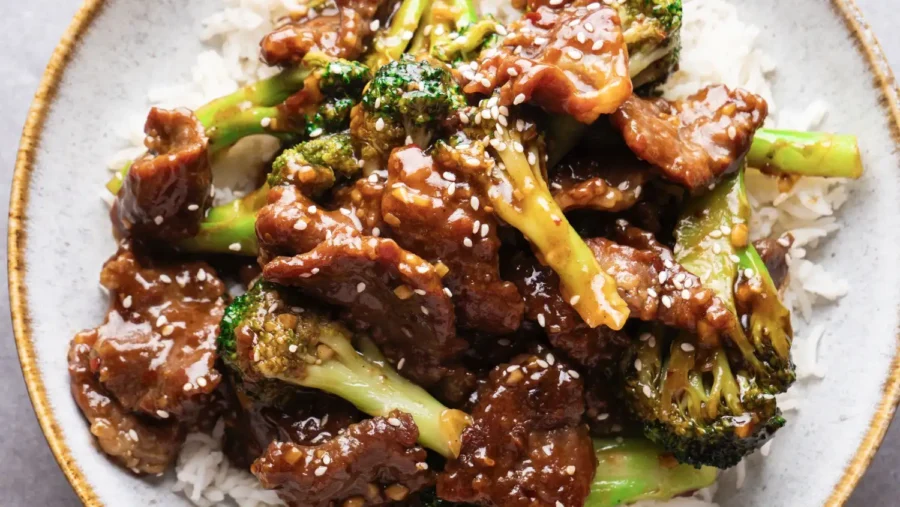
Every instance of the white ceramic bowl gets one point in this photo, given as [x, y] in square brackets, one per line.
[113, 51]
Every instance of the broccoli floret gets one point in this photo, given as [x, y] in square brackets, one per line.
[406, 100]
[636, 469]
[693, 404]
[511, 153]
[312, 165]
[652, 30]
[710, 399]
[271, 334]
[451, 32]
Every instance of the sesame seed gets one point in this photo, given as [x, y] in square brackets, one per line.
[316, 132]
[715, 233]
[734, 258]
[447, 292]
[376, 232]
[687, 347]
[311, 209]
[551, 359]
[235, 247]
[717, 249]
[379, 124]
[165, 278]
[265, 122]
[663, 276]
[637, 364]
[749, 273]
[602, 417]
[201, 381]
[360, 287]
[520, 98]
[193, 207]
[292, 348]
[326, 459]
[574, 374]
[574, 300]
[393, 421]
[424, 310]
[542, 363]
[300, 225]
[667, 301]
[421, 465]
[375, 25]
[536, 376]
[463, 117]
[163, 414]
[400, 363]
[133, 435]
[467, 242]
[589, 27]
[647, 392]
[161, 321]
[532, 160]
[187, 386]
[158, 220]
[167, 330]
[570, 469]
[321, 471]
[126, 303]
[685, 294]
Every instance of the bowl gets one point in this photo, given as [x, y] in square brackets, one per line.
[59, 235]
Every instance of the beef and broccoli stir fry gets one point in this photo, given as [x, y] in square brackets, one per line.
[487, 266]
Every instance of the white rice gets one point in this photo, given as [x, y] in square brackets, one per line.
[717, 48]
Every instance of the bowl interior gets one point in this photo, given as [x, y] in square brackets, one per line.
[131, 46]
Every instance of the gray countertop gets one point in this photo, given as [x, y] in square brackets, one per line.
[28, 474]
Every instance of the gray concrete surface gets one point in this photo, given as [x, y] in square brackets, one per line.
[29, 30]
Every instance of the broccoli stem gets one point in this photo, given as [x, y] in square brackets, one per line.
[227, 225]
[806, 154]
[364, 379]
[636, 469]
[522, 199]
[392, 41]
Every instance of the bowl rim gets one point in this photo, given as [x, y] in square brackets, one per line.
[863, 38]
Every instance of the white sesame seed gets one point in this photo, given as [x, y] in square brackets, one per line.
[535, 376]
[716, 233]
[485, 228]
[647, 392]
[379, 124]
[467, 242]
[375, 25]
[292, 348]
[235, 247]
[667, 301]
[589, 27]
[551, 359]
[126, 303]
[193, 207]
[265, 122]
[570, 469]
[326, 459]
[187, 386]
[311, 209]
[602, 417]
[637, 364]
[300, 225]
[360, 287]
[161, 321]
[133, 435]
[581, 37]
[421, 465]
[424, 310]
[201, 381]
[734, 258]
[574, 374]
[447, 292]
[393, 421]
[463, 117]
[167, 330]
[158, 220]
[316, 132]
[163, 414]
[687, 347]
[321, 471]
[542, 363]
[400, 363]
[717, 249]
[164, 278]
[663, 276]
[574, 300]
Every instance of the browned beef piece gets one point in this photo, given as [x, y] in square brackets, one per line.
[143, 445]
[373, 462]
[613, 182]
[598, 347]
[395, 294]
[292, 223]
[774, 255]
[363, 198]
[692, 141]
[157, 349]
[527, 445]
[166, 191]
[306, 418]
[436, 212]
[654, 286]
[339, 30]
[569, 59]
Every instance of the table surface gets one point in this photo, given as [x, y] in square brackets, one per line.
[28, 473]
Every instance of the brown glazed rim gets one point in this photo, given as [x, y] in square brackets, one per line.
[31, 136]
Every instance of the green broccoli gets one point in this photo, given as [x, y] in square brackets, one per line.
[710, 400]
[269, 334]
[312, 164]
[805, 154]
[229, 228]
[635, 469]
[451, 31]
[652, 30]
[512, 153]
[405, 101]
[391, 41]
